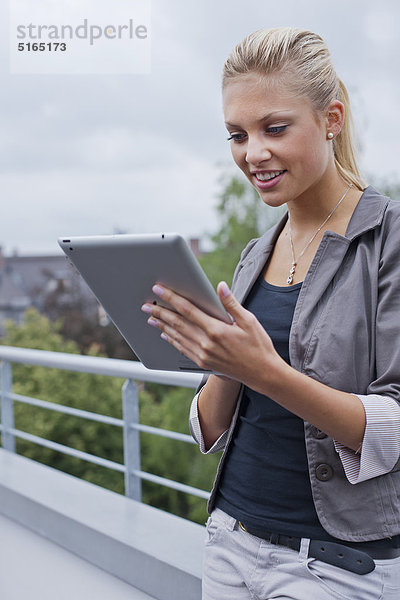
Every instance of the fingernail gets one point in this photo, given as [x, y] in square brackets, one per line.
[152, 322]
[157, 290]
[164, 337]
[224, 289]
[146, 308]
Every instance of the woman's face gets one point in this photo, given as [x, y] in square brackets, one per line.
[277, 139]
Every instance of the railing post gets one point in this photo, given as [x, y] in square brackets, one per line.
[7, 407]
[130, 408]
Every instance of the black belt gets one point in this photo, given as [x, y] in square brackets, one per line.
[359, 561]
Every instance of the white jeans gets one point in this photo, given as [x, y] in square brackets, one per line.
[240, 566]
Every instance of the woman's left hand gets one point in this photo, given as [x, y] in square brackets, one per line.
[241, 350]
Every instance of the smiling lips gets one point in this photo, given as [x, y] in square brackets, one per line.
[267, 176]
[267, 179]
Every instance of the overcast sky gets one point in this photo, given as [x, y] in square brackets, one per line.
[87, 154]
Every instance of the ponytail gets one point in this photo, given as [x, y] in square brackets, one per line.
[343, 144]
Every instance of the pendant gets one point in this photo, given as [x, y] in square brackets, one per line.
[291, 273]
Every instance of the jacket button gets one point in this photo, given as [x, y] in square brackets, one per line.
[324, 472]
[317, 433]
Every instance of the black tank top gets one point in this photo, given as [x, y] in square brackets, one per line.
[265, 481]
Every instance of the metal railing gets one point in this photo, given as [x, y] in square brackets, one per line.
[129, 370]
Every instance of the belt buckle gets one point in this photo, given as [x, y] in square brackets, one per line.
[242, 526]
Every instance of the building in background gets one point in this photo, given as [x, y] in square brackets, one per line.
[48, 283]
[52, 285]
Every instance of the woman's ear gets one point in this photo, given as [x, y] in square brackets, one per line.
[334, 118]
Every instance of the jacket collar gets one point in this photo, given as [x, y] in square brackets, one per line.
[367, 215]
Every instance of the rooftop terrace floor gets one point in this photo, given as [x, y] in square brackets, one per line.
[35, 568]
[62, 537]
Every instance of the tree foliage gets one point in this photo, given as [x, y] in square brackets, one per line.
[85, 391]
[169, 408]
[242, 217]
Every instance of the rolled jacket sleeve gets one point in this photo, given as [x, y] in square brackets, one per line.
[380, 449]
[195, 430]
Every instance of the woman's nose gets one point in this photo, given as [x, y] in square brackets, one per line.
[257, 150]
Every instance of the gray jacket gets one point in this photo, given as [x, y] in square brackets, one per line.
[346, 334]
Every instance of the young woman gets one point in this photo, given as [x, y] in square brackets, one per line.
[306, 502]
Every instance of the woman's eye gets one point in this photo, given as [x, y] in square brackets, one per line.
[240, 137]
[276, 130]
[237, 137]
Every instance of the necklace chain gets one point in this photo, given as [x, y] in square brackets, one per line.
[294, 261]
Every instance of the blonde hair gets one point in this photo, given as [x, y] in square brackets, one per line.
[304, 56]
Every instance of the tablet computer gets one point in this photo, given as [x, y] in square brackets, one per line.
[121, 270]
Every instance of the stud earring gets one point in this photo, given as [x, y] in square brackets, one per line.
[330, 135]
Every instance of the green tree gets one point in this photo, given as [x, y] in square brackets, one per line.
[79, 390]
[242, 216]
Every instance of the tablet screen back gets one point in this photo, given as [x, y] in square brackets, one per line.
[121, 270]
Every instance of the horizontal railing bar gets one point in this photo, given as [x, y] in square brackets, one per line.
[112, 367]
[125, 369]
[181, 487]
[175, 485]
[174, 435]
[76, 412]
[103, 462]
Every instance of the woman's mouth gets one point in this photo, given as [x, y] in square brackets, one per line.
[267, 179]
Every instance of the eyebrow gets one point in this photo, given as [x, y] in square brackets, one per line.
[266, 117]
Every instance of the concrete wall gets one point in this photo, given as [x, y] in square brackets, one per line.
[156, 553]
